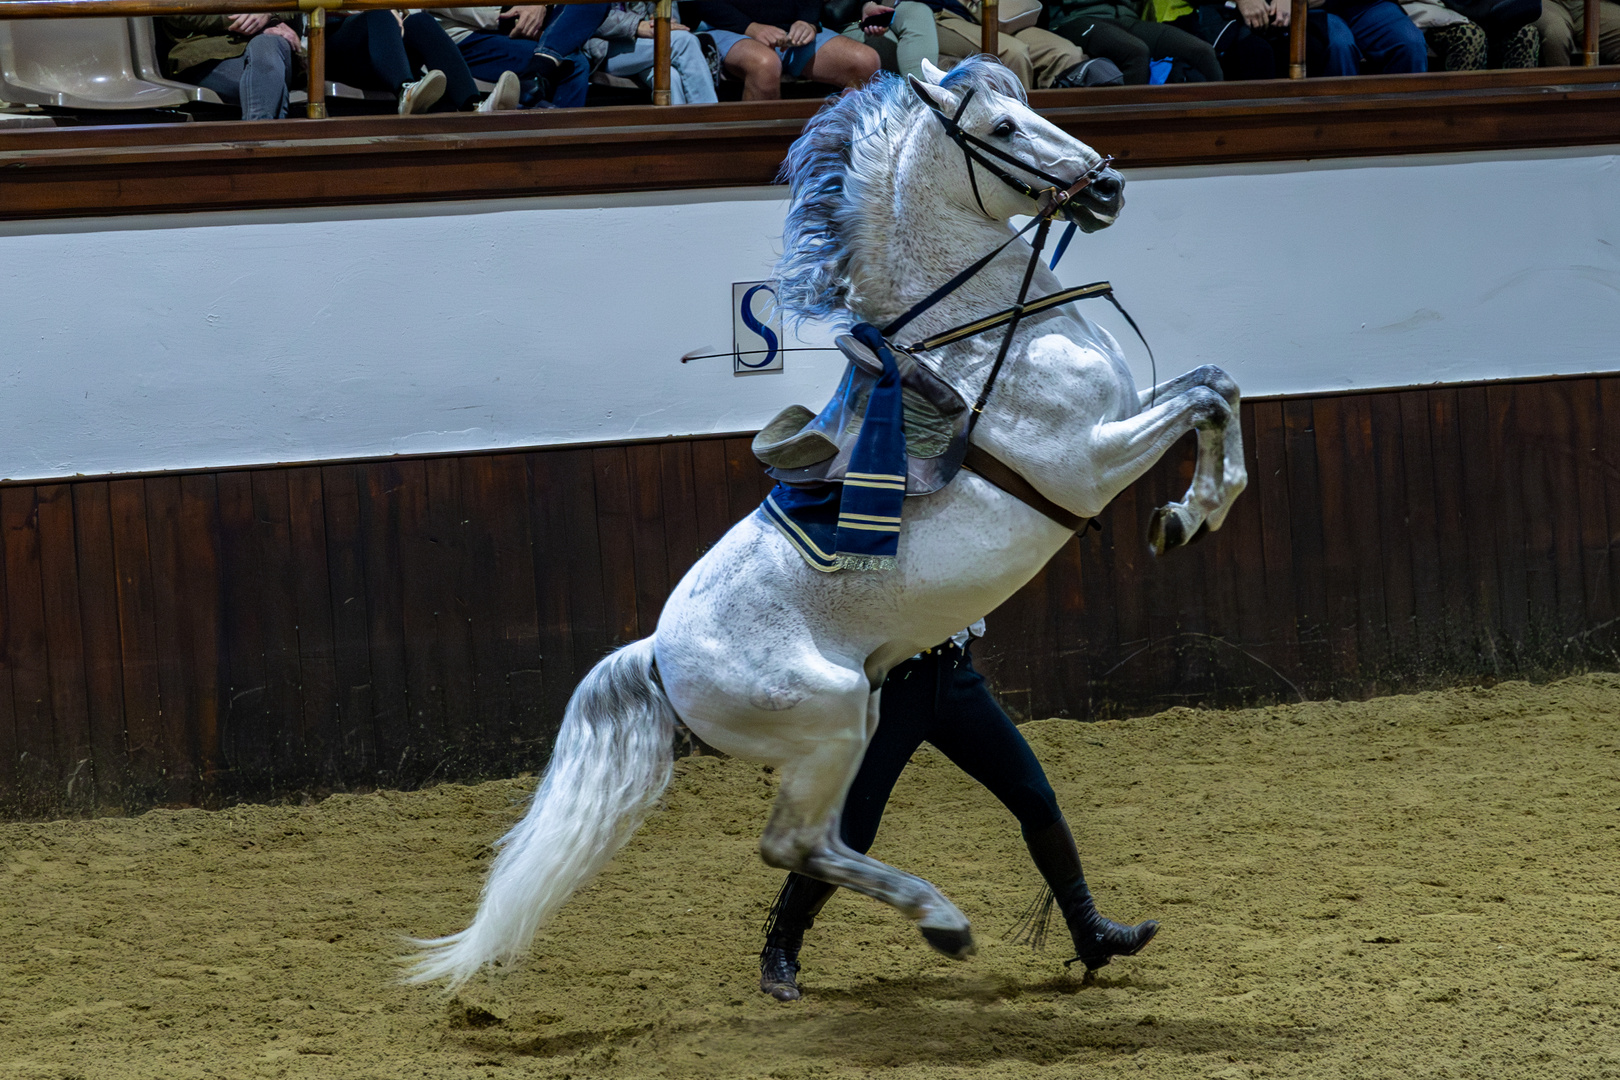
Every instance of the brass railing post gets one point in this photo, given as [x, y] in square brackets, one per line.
[989, 38]
[316, 108]
[1298, 17]
[661, 52]
[1590, 44]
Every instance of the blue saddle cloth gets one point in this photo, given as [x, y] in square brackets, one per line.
[854, 525]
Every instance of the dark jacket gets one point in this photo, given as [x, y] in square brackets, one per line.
[735, 15]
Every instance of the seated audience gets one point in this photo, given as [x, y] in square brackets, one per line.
[1374, 37]
[1471, 35]
[248, 60]
[380, 50]
[902, 35]
[1562, 27]
[623, 46]
[1040, 58]
[1113, 29]
[544, 48]
[759, 41]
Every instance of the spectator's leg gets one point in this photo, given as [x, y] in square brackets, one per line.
[1558, 34]
[223, 77]
[427, 43]
[366, 51]
[692, 83]
[1386, 36]
[633, 59]
[1461, 46]
[1050, 56]
[572, 90]
[570, 29]
[841, 62]
[959, 39]
[1523, 49]
[882, 44]
[915, 37]
[264, 79]
[759, 68]
[1100, 37]
[488, 56]
[1609, 33]
[1164, 40]
[1331, 47]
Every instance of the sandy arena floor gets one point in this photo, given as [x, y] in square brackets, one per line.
[1410, 887]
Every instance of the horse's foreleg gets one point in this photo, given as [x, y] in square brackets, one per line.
[1128, 448]
[803, 836]
[1220, 474]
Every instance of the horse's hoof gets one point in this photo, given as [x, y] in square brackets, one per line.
[956, 944]
[1166, 530]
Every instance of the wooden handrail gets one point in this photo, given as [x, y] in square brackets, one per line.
[1298, 19]
[990, 27]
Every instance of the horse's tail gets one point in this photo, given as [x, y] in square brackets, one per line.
[612, 761]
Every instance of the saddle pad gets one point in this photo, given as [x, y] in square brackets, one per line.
[800, 448]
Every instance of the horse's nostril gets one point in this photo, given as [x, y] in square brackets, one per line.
[1107, 187]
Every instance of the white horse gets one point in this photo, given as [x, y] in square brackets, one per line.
[769, 660]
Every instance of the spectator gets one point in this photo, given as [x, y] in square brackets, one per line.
[623, 46]
[1562, 24]
[1112, 29]
[546, 55]
[380, 50]
[1039, 58]
[1470, 35]
[759, 41]
[902, 35]
[1374, 37]
[248, 60]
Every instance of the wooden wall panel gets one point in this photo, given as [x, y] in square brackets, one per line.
[199, 638]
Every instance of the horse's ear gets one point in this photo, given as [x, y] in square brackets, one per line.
[933, 74]
[942, 98]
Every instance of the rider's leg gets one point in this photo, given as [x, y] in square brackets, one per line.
[971, 729]
[907, 701]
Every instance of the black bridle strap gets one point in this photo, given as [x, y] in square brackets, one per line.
[1012, 324]
[956, 281]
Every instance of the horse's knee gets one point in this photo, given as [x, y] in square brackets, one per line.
[1220, 382]
[785, 850]
[1208, 408]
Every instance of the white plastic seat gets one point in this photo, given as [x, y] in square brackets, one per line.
[77, 64]
[143, 44]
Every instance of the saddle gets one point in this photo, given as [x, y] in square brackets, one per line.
[802, 447]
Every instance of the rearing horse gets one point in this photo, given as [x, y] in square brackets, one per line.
[767, 659]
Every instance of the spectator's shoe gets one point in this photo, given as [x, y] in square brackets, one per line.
[1097, 71]
[541, 78]
[508, 90]
[421, 95]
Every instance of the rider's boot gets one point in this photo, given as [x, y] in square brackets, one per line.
[1096, 939]
[794, 912]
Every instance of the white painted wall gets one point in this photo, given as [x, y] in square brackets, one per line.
[222, 339]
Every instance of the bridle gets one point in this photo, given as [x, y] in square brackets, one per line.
[1049, 200]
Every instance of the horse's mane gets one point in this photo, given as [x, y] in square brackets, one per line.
[827, 178]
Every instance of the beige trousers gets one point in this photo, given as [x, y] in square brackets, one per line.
[1562, 27]
[1037, 57]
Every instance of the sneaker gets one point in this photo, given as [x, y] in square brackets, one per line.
[423, 94]
[504, 96]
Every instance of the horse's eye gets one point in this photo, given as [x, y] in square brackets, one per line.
[1005, 129]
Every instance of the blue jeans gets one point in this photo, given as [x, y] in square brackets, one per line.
[1384, 37]
[488, 55]
[258, 80]
[692, 83]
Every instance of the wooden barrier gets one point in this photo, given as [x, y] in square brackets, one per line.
[210, 636]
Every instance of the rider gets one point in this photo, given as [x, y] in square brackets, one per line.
[937, 697]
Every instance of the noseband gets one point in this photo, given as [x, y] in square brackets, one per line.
[1048, 201]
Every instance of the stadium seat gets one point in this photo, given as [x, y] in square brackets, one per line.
[77, 64]
[143, 43]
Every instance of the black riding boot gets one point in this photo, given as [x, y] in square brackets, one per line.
[1096, 939]
[794, 912]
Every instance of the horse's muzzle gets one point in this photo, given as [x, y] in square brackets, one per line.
[1099, 203]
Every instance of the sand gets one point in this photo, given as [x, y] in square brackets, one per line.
[1419, 886]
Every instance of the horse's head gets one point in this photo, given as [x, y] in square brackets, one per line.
[1009, 148]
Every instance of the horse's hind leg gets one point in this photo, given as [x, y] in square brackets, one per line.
[803, 836]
